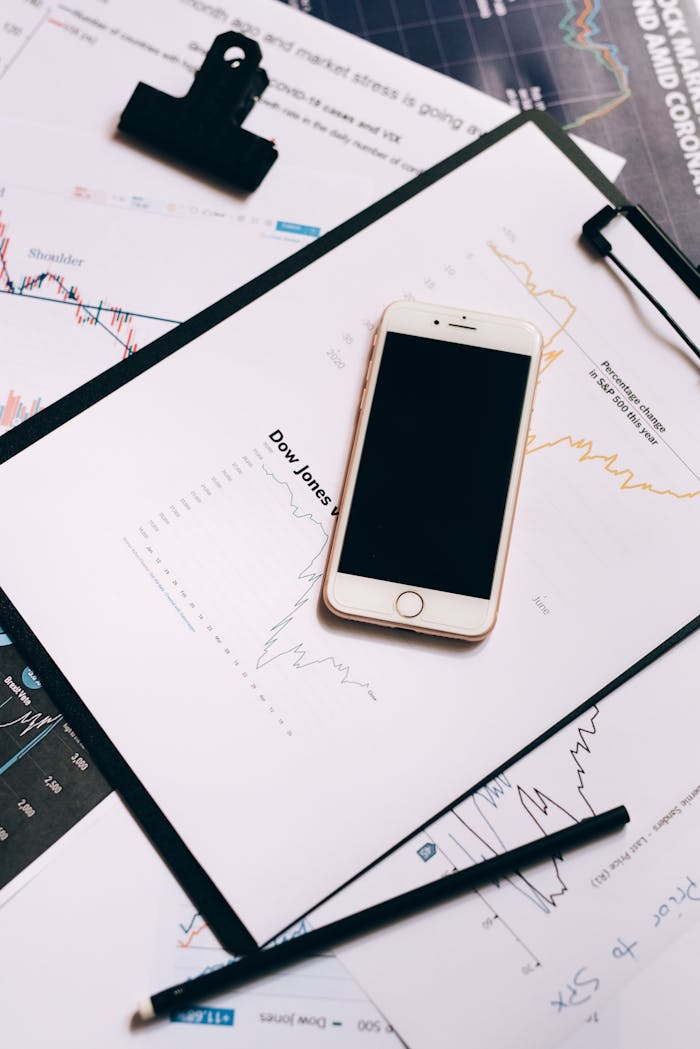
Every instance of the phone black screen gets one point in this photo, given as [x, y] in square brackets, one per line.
[435, 467]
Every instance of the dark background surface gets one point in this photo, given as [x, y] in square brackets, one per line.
[585, 61]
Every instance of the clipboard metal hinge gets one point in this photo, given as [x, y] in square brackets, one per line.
[659, 241]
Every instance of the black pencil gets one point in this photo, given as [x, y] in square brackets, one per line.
[268, 960]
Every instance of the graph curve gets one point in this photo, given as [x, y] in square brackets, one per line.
[578, 30]
[309, 576]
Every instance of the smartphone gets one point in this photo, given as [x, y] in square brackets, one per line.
[432, 480]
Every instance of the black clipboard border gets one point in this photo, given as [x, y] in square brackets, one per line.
[205, 895]
[107, 382]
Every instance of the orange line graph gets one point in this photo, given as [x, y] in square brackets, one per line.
[540, 294]
[547, 360]
[584, 445]
[608, 462]
[195, 932]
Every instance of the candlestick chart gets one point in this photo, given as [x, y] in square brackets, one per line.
[49, 285]
[57, 332]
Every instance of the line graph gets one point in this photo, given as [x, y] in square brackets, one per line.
[317, 992]
[186, 928]
[583, 746]
[47, 779]
[501, 814]
[608, 462]
[491, 818]
[192, 933]
[552, 302]
[49, 724]
[198, 544]
[309, 576]
[546, 297]
[196, 925]
[579, 29]
[544, 896]
[540, 805]
[587, 62]
[549, 357]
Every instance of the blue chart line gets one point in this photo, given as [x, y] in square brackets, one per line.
[212, 968]
[491, 793]
[308, 577]
[579, 29]
[544, 900]
[25, 750]
[188, 928]
[292, 933]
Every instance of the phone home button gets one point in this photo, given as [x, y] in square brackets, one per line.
[409, 604]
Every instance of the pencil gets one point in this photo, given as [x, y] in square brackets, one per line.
[270, 959]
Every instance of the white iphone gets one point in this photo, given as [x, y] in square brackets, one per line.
[431, 485]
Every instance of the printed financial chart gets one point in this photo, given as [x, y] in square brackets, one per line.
[618, 73]
[48, 780]
[187, 551]
[73, 298]
[609, 447]
[562, 938]
[73, 301]
[314, 1002]
[63, 324]
[533, 917]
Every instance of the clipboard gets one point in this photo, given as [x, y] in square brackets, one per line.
[219, 909]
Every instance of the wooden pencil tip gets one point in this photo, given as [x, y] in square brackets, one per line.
[145, 1010]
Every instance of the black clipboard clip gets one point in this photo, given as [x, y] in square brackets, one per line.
[204, 127]
[658, 240]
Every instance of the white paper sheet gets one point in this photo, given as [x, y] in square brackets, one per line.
[335, 102]
[208, 544]
[659, 1006]
[107, 225]
[60, 925]
[89, 276]
[76, 295]
[161, 272]
[153, 284]
[533, 958]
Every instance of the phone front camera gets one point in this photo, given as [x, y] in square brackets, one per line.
[436, 322]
